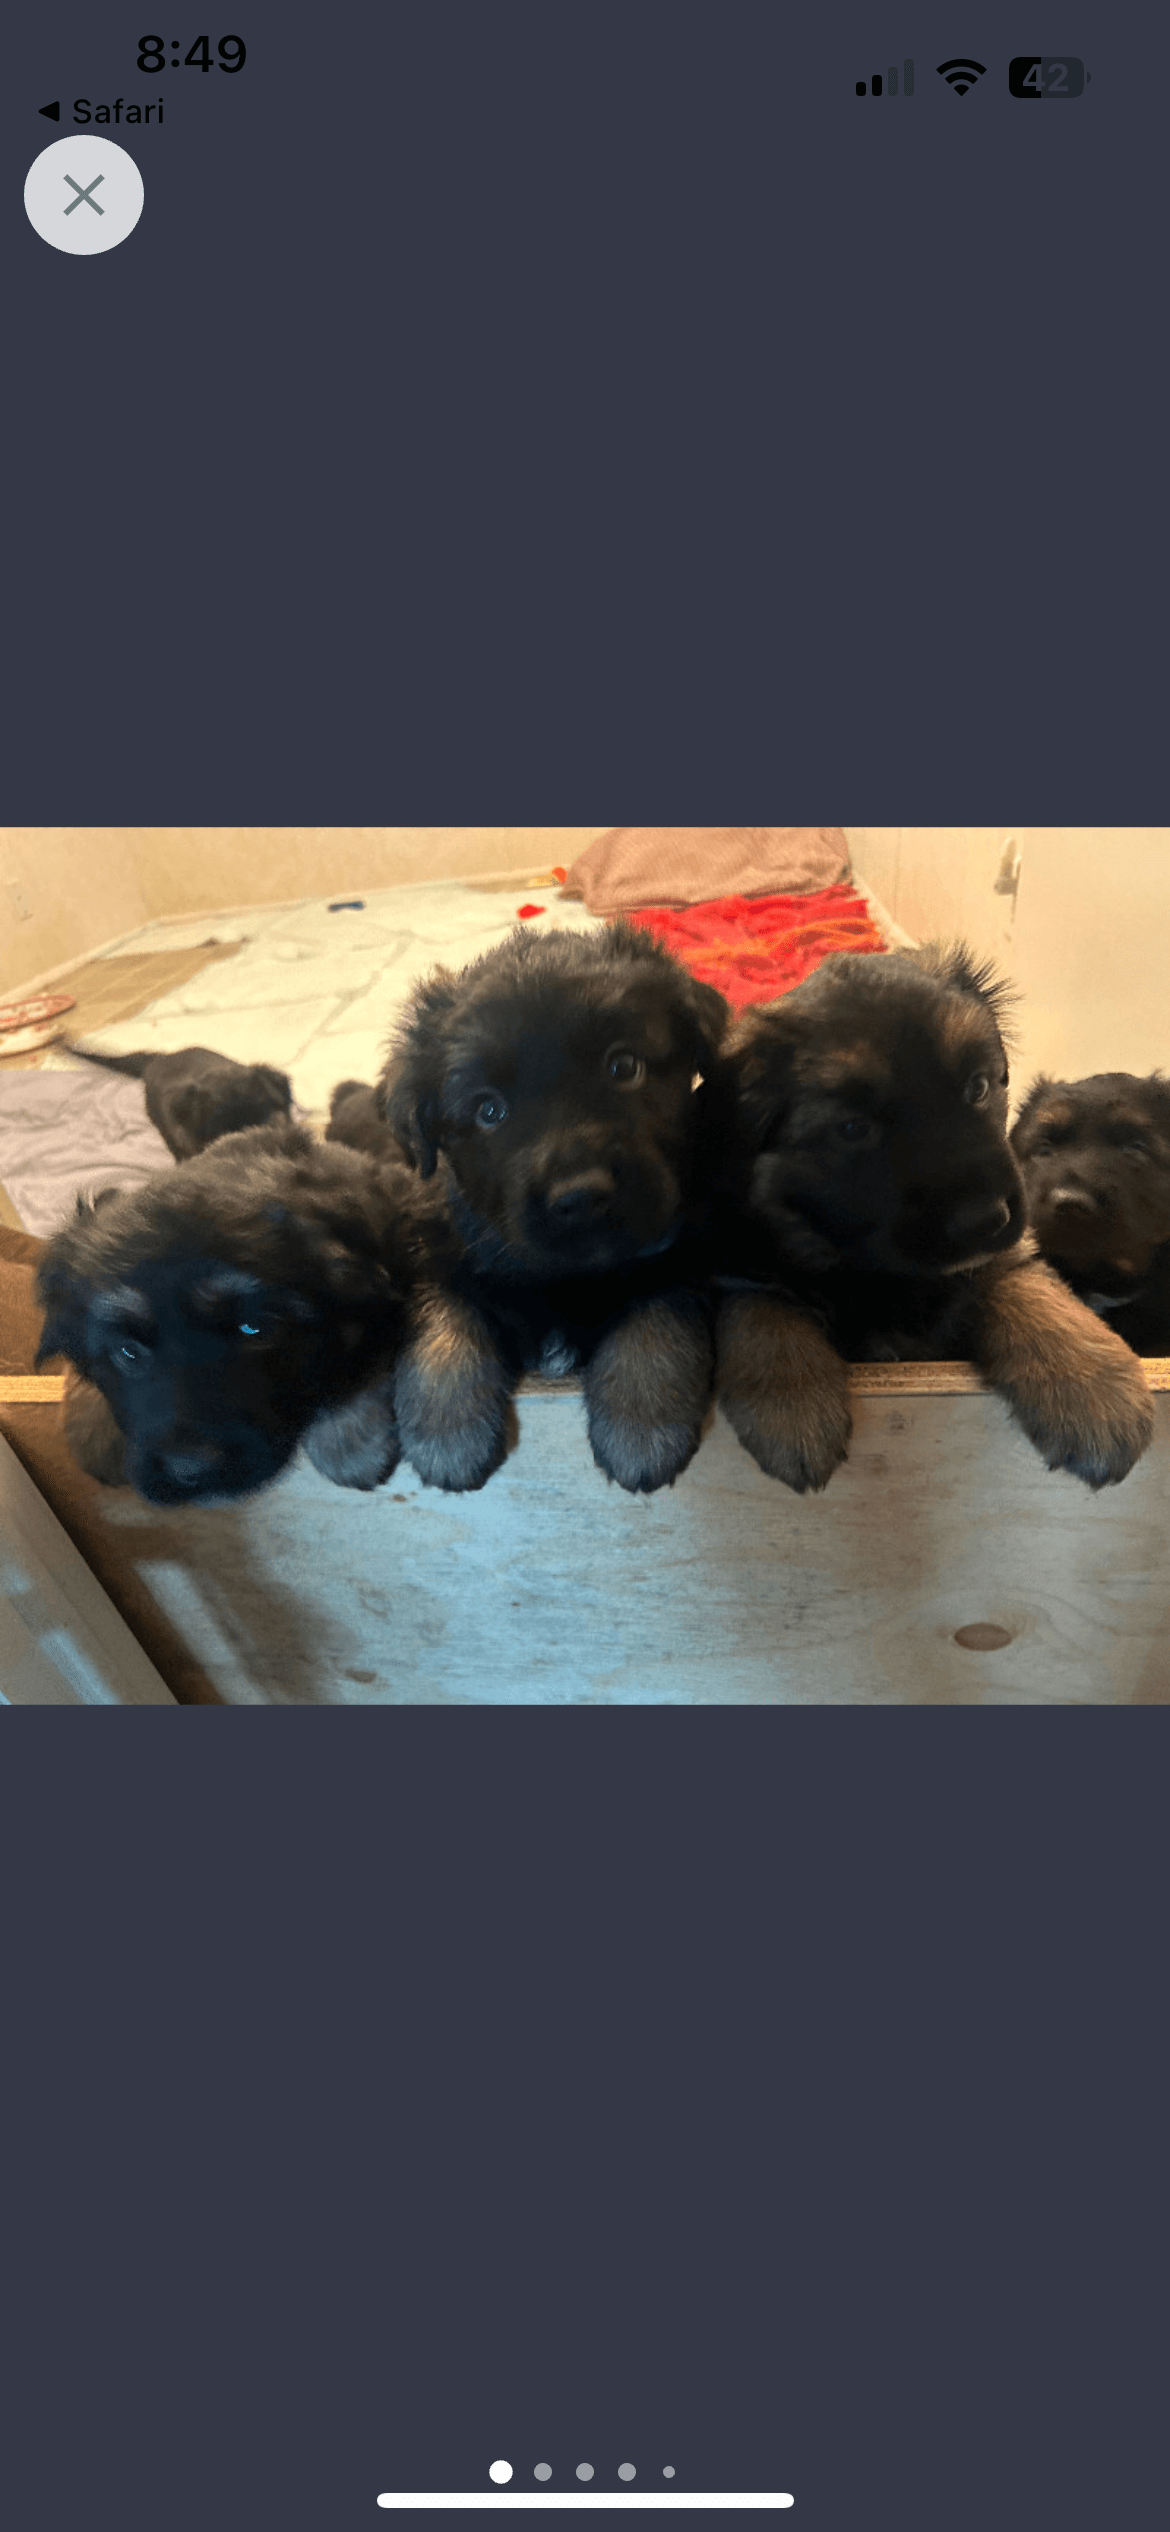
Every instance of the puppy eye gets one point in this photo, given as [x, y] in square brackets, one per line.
[252, 1327]
[624, 1067]
[1136, 1151]
[490, 1111]
[854, 1129]
[129, 1356]
[1044, 1150]
[978, 1090]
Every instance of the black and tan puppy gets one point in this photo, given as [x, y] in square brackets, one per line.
[551, 1086]
[870, 1179]
[1095, 1157]
[193, 1097]
[355, 1118]
[245, 1303]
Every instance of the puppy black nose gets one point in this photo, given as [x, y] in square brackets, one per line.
[187, 1467]
[581, 1199]
[1073, 1200]
[979, 1221]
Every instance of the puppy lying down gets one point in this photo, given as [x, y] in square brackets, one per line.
[873, 1210]
[249, 1302]
[195, 1096]
[547, 1091]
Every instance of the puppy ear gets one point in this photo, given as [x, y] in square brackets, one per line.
[410, 1086]
[1158, 1089]
[63, 1299]
[192, 1113]
[955, 964]
[1036, 1091]
[709, 1014]
[755, 1065]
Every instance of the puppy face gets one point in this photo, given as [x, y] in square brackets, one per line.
[556, 1075]
[872, 1110]
[1095, 1156]
[223, 1308]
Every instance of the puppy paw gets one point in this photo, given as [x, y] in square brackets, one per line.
[1075, 1388]
[457, 1463]
[1097, 1428]
[357, 1444]
[451, 1398]
[647, 1391]
[97, 1444]
[783, 1389]
[799, 1436]
[642, 1457]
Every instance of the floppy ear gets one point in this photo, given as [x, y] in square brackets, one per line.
[278, 1083]
[349, 1272]
[192, 1113]
[709, 1015]
[755, 1063]
[410, 1086]
[62, 1296]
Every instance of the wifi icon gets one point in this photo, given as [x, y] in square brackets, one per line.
[961, 75]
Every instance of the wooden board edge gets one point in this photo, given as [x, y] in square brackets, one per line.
[866, 1380]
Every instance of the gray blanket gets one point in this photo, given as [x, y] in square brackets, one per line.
[64, 1134]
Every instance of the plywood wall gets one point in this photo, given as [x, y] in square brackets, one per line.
[1084, 938]
[81, 888]
[86, 886]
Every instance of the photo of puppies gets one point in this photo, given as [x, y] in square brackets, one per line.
[244, 1304]
[550, 1084]
[194, 1096]
[867, 1177]
[1095, 1157]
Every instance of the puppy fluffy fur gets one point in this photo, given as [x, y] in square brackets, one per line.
[1095, 1156]
[194, 1096]
[870, 1183]
[355, 1118]
[250, 1301]
[549, 1088]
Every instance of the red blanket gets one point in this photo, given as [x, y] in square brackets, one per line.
[756, 948]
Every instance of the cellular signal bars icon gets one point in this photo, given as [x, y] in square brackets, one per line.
[891, 82]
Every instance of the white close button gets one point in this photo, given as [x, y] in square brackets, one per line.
[83, 195]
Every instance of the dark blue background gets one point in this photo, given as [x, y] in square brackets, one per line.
[779, 2094]
[506, 409]
[527, 413]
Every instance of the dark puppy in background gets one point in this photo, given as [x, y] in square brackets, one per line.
[869, 1180]
[193, 1097]
[550, 1085]
[250, 1301]
[1095, 1156]
[355, 1118]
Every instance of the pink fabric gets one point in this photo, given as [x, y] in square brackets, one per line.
[692, 865]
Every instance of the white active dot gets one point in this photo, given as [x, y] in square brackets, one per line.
[500, 2471]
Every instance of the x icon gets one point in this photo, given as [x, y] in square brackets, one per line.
[84, 195]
